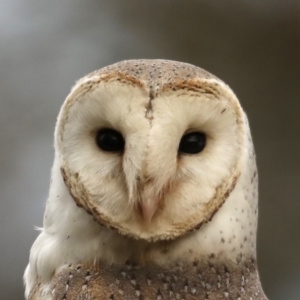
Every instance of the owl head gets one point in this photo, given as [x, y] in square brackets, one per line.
[154, 163]
[153, 149]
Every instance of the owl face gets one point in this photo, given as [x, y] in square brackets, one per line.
[151, 156]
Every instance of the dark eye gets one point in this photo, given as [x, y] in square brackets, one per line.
[192, 143]
[110, 140]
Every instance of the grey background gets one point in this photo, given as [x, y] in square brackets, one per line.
[252, 45]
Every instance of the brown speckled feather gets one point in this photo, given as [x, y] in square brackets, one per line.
[209, 281]
[155, 74]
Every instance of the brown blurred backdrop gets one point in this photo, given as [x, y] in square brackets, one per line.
[254, 46]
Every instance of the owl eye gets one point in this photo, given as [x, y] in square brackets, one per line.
[110, 140]
[192, 143]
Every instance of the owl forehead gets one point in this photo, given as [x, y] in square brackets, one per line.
[153, 75]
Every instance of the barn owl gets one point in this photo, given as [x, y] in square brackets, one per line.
[153, 190]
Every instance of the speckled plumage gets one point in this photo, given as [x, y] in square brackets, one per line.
[154, 74]
[130, 281]
[198, 240]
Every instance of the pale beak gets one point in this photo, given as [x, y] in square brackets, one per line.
[148, 208]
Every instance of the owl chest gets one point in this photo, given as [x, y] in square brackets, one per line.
[133, 282]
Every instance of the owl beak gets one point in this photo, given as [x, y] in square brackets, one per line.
[150, 198]
[148, 208]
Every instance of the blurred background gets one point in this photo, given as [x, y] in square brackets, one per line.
[254, 46]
